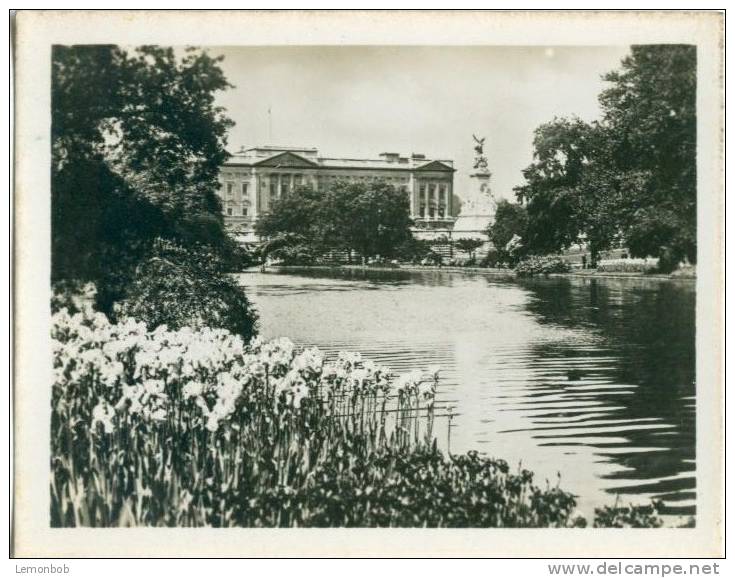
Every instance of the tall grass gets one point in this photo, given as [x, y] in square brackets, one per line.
[197, 428]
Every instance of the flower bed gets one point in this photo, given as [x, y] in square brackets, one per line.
[197, 428]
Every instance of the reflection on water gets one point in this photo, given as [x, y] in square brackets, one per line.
[590, 378]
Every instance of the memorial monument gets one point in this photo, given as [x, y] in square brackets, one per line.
[479, 205]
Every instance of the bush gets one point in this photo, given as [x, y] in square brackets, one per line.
[541, 266]
[187, 287]
[432, 259]
[74, 296]
[669, 260]
[237, 258]
[627, 265]
[289, 249]
[196, 428]
[633, 516]
[294, 255]
[413, 250]
[491, 259]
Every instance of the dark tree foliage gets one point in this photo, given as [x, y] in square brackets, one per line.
[651, 109]
[511, 220]
[370, 218]
[562, 150]
[186, 287]
[414, 250]
[296, 214]
[290, 249]
[137, 143]
[629, 178]
[136, 148]
[468, 245]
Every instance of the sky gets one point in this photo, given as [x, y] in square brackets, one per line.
[361, 101]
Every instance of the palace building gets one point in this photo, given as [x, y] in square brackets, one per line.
[252, 179]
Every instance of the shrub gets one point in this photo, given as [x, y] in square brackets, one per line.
[187, 287]
[469, 246]
[196, 428]
[627, 265]
[294, 255]
[432, 258]
[413, 250]
[669, 260]
[237, 258]
[289, 249]
[632, 516]
[541, 266]
[74, 296]
[491, 259]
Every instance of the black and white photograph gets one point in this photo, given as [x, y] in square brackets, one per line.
[368, 284]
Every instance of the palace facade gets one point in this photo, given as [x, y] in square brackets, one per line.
[252, 179]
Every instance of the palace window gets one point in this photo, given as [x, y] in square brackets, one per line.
[229, 188]
[285, 181]
[244, 211]
[229, 211]
[274, 186]
[244, 189]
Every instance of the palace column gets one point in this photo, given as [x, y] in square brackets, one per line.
[437, 192]
[410, 199]
[415, 197]
[254, 194]
[447, 201]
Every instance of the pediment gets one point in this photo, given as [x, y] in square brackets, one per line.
[434, 166]
[286, 160]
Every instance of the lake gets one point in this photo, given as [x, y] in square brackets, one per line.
[592, 380]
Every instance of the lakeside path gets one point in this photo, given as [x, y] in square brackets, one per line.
[490, 272]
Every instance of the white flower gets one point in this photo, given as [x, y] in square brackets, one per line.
[153, 386]
[427, 389]
[158, 415]
[348, 359]
[309, 361]
[103, 413]
[407, 382]
[111, 372]
[192, 389]
[359, 376]
[212, 422]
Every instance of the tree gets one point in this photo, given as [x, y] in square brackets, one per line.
[511, 220]
[296, 215]
[551, 190]
[650, 110]
[469, 246]
[137, 143]
[629, 178]
[371, 218]
[136, 148]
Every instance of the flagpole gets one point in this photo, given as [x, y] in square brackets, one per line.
[270, 127]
